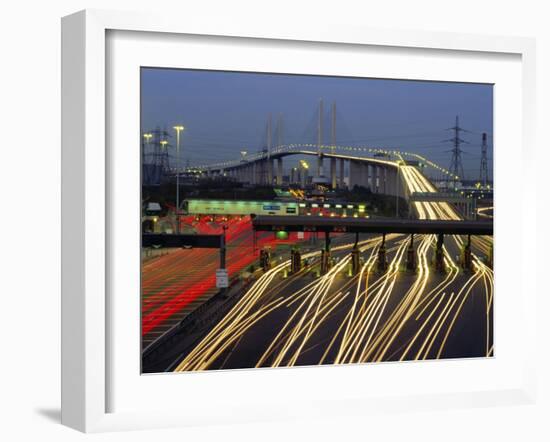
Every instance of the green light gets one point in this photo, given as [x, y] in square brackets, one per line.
[281, 234]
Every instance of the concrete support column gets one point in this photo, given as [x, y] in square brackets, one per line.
[279, 171]
[365, 175]
[333, 173]
[374, 178]
[270, 171]
[320, 171]
[399, 183]
[384, 177]
[354, 174]
[342, 178]
[255, 172]
[390, 181]
[263, 172]
[370, 179]
[393, 179]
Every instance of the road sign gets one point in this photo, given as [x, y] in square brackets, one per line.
[222, 279]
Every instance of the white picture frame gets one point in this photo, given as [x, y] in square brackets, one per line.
[86, 356]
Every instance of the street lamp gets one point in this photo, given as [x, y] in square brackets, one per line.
[397, 191]
[147, 137]
[178, 129]
[305, 167]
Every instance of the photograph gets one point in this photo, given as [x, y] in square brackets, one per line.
[302, 220]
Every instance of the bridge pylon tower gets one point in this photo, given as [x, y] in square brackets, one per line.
[333, 146]
[320, 140]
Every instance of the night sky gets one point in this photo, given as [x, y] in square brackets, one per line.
[226, 112]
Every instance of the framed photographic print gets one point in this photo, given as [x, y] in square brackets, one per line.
[252, 213]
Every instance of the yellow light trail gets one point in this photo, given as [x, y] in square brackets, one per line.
[369, 330]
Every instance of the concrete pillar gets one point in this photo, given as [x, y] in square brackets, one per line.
[399, 183]
[354, 174]
[363, 173]
[255, 172]
[342, 178]
[320, 171]
[279, 171]
[269, 176]
[393, 182]
[374, 178]
[333, 173]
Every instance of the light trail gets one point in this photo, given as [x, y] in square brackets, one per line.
[377, 322]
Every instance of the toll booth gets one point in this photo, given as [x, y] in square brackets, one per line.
[355, 261]
[466, 260]
[439, 263]
[382, 262]
[411, 256]
[265, 259]
[326, 262]
[295, 261]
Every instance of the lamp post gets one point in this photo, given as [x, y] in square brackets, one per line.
[305, 167]
[178, 129]
[147, 137]
[397, 192]
[144, 154]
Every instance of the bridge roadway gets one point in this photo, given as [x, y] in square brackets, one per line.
[379, 174]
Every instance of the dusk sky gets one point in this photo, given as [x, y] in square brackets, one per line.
[226, 112]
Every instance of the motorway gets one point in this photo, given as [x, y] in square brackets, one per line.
[369, 317]
[284, 319]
